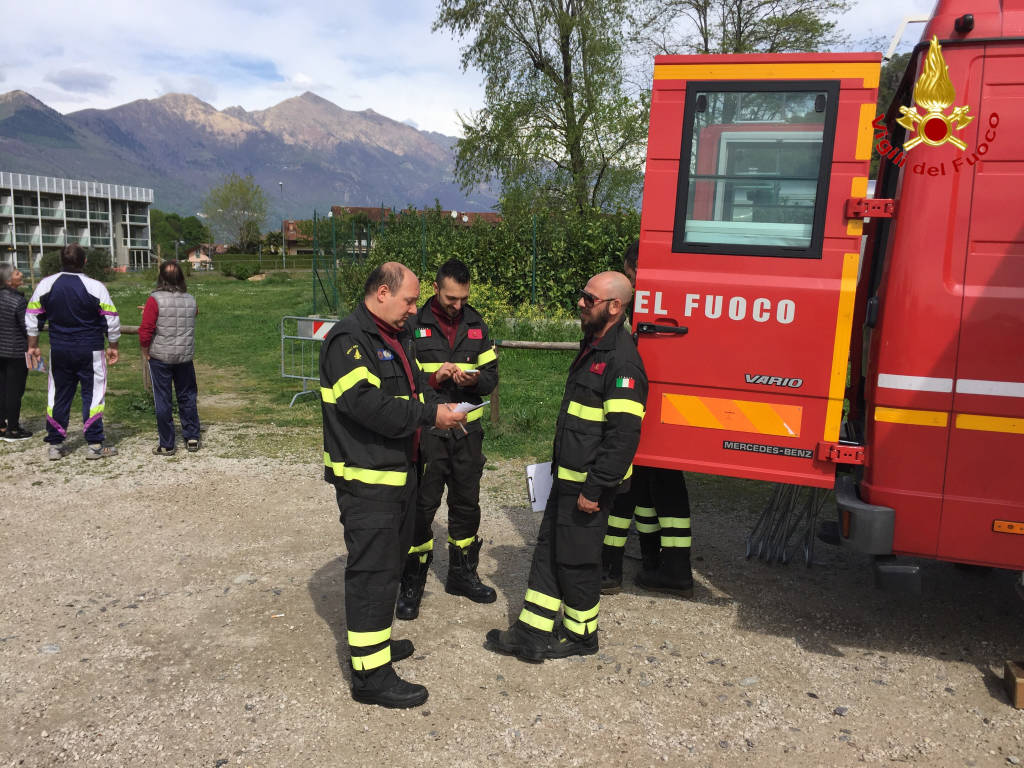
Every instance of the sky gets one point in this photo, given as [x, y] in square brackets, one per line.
[359, 54]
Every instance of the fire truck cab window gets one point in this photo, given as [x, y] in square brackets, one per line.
[751, 171]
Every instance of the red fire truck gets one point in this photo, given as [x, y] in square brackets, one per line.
[797, 331]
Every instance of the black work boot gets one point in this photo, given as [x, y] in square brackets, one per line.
[384, 688]
[518, 642]
[563, 644]
[414, 578]
[401, 649]
[611, 570]
[673, 576]
[462, 577]
[650, 551]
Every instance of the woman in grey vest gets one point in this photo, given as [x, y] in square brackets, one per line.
[13, 346]
[167, 338]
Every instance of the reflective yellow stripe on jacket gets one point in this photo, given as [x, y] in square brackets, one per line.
[368, 476]
[346, 382]
[486, 357]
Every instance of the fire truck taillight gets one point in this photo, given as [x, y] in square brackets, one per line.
[1008, 526]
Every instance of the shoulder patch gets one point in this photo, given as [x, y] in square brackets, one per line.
[625, 382]
[597, 368]
[475, 333]
[353, 352]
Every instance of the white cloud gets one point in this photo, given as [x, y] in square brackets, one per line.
[361, 55]
[255, 53]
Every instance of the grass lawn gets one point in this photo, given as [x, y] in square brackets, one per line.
[238, 364]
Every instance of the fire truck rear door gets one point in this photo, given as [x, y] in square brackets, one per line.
[745, 243]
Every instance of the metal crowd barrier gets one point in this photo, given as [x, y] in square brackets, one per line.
[300, 351]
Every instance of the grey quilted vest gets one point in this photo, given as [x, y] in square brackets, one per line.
[174, 339]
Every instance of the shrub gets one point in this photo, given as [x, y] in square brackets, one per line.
[239, 270]
[97, 264]
[276, 278]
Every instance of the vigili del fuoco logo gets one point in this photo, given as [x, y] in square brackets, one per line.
[934, 94]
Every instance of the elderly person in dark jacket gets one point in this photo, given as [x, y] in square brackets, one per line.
[167, 338]
[13, 346]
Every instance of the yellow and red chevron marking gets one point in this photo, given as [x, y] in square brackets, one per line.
[734, 415]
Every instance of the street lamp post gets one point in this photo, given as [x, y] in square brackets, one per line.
[176, 244]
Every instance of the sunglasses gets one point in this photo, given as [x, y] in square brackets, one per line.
[589, 299]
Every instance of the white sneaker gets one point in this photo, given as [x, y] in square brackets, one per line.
[99, 451]
[57, 452]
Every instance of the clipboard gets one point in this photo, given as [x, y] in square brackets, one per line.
[538, 485]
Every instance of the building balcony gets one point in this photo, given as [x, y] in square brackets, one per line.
[50, 238]
[74, 213]
[26, 210]
[139, 242]
[99, 240]
[6, 238]
[134, 218]
[51, 213]
[99, 215]
[82, 240]
[6, 210]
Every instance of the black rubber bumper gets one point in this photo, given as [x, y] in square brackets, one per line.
[863, 527]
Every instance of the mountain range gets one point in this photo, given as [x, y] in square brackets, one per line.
[306, 153]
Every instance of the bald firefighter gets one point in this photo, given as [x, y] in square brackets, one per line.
[596, 435]
[658, 499]
[454, 347]
[374, 407]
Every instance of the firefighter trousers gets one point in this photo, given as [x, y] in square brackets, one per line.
[659, 501]
[377, 537]
[566, 568]
[456, 463]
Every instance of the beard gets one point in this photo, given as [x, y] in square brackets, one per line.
[597, 321]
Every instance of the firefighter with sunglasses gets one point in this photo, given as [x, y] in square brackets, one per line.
[596, 435]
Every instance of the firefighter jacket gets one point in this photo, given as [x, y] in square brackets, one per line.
[473, 350]
[369, 416]
[598, 426]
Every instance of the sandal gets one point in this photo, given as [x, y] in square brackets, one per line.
[161, 451]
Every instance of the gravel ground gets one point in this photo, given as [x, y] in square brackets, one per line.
[188, 612]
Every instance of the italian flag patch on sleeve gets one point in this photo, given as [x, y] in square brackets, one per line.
[625, 382]
[422, 333]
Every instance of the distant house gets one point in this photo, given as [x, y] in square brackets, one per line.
[294, 242]
[201, 257]
[375, 214]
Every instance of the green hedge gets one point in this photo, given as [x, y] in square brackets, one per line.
[570, 249]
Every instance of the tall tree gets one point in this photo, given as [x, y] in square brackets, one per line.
[170, 228]
[236, 210]
[738, 26]
[558, 126]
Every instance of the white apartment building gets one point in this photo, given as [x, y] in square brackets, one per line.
[42, 212]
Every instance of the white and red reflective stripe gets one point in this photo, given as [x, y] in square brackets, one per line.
[321, 328]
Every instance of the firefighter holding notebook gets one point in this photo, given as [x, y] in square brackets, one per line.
[454, 349]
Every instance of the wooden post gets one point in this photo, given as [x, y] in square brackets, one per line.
[495, 406]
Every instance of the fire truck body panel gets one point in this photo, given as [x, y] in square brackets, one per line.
[746, 245]
[945, 382]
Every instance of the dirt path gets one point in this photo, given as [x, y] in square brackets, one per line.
[187, 612]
